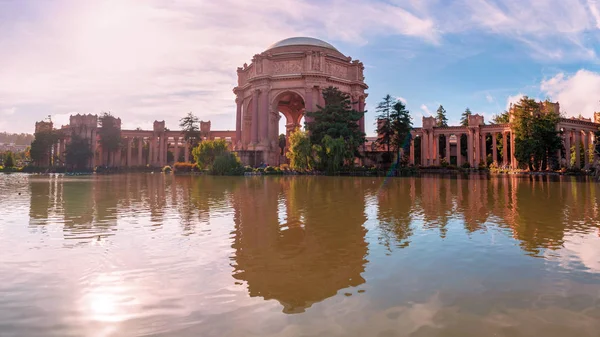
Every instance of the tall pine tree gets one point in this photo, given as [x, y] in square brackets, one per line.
[440, 117]
[464, 118]
[401, 125]
[385, 133]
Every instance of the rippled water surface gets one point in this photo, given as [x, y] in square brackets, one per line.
[149, 254]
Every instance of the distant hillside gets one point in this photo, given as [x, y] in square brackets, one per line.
[17, 138]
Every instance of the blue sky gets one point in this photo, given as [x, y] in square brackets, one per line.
[147, 60]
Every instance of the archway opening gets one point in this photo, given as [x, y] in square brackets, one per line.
[290, 109]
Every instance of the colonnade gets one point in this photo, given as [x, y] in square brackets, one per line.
[585, 138]
[432, 153]
[132, 154]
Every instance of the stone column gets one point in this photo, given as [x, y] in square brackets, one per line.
[254, 131]
[431, 148]
[505, 148]
[176, 149]
[448, 148]
[577, 142]
[129, 140]
[586, 157]
[483, 149]
[568, 147]
[494, 148]
[361, 108]
[238, 125]
[513, 160]
[424, 148]
[152, 153]
[263, 127]
[308, 103]
[458, 154]
[63, 146]
[470, 147]
[477, 141]
[140, 145]
[412, 151]
[161, 150]
[186, 153]
[118, 157]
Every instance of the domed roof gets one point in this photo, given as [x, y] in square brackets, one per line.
[302, 41]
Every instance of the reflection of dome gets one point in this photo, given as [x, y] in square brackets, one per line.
[301, 41]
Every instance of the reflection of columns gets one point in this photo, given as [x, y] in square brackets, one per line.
[176, 149]
[186, 152]
[447, 148]
[568, 147]
[238, 125]
[494, 148]
[412, 151]
[129, 139]
[513, 159]
[140, 145]
[458, 154]
[254, 131]
[577, 150]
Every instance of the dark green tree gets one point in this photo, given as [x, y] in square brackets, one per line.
[190, 125]
[536, 138]
[9, 160]
[41, 147]
[401, 123]
[110, 134]
[78, 152]
[502, 118]
[464, 118]
[282, 143]
[385, 132]
[336, 119]
[440, 118]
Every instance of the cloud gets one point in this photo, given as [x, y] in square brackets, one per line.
[489, 98]
[513, 99]
[595, 11]
[8, 111]
[577, 94]
[425, 109]
[401, 99]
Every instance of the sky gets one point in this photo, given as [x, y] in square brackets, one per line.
[146, 60]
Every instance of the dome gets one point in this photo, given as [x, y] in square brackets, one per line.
[302, 41]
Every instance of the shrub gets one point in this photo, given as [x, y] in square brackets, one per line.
[465, 165]
[184, 167]
[248, 169]
[269, 169]
[444, 163]
[207, 152]
[227, 164]
[167, 169]
[9, 161]
[284, 167]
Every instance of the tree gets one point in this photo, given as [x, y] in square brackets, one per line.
[536, 138]
[9, 160]
[334, 153]
[110, 134]
[464, 118]
[78, 152]
[385, 133]
[336, 119]
[206, 152]
[190, 125]
[300, 151]
[282, 143]
[41, 145]
[440, 119]
[227, 164]
[401, 125]
[503, 118]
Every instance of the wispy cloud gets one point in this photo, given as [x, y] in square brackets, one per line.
[401, 99]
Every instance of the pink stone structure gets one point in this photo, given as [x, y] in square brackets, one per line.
[138, 147]
[286, 80]
[573, 131]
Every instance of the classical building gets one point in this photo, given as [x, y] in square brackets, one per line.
[479, 145]
[156, 148]
[286, 80]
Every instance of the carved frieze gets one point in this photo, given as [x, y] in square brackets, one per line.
[337, 70]
[287, 67]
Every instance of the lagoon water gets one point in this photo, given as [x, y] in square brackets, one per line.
[163, 255]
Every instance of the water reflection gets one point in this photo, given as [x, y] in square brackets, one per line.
[124, 252]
